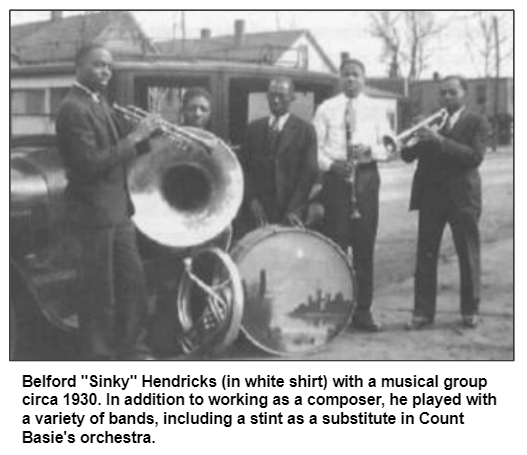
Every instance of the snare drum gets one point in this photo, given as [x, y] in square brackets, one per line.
[299, 290]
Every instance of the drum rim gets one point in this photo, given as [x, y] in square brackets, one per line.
[253, 238]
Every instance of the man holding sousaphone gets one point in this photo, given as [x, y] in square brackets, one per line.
[350, 128]
[96, 150]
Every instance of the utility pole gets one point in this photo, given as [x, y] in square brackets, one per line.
[174, 26]
[278, 21]
[183, 31]
[183, 27]
[496, 83]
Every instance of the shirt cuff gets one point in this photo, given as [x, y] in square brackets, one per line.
[379, 153]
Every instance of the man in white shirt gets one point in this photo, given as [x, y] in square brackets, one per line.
[350, 128]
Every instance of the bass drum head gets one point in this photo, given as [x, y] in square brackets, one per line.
[298, 287]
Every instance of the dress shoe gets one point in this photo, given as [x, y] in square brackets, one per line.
[470, 321]
[418, 323]
[369, 326]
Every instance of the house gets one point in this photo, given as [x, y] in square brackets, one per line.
[58, 39]
[291, 48]
[14, 58]
[35, 99]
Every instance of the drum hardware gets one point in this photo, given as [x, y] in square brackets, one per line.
[437, 121]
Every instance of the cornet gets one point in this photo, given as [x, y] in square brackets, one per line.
[437, 120]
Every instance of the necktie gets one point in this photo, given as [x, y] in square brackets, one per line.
[349, 122]
[273, 135]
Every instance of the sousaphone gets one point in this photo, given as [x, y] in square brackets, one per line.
[186, 192]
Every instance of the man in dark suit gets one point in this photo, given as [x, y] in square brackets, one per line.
[95, 149]
[279, 158]
[447, 189]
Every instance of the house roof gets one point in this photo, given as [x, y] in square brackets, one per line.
[264, 47]
[58, 40]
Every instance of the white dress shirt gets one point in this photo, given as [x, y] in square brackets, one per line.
[281, 120]
[371, 124]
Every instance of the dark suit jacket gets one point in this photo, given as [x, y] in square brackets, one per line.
[94, 155]
[295, 163]
[450, 169]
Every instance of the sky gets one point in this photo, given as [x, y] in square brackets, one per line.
[336, 31]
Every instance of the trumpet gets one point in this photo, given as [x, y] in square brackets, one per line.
[437, 120]
[178, 134]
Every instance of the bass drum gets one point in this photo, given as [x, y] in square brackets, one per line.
[299, 291]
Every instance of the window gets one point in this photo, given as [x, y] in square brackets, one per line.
[56, 97]
[248, 101]
[166, 96]
[28, 102]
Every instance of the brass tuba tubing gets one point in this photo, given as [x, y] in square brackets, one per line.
[136, 115]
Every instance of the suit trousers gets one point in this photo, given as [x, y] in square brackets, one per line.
[113, 300]
[465, 232]
[359, 234]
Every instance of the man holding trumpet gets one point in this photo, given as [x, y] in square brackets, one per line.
[95, 150]
[447, 189]
[350, 128]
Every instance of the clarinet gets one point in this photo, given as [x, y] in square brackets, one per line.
[352, 161]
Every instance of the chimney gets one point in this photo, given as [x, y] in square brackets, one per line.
[205, 33]
[239, 30]
[56, 15]
[436, 76]
[344, 57]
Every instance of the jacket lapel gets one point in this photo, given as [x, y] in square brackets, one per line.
[287, 135]
[459, 125]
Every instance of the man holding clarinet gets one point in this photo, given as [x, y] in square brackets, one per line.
[350, 128]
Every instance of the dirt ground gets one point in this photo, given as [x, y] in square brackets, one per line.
[394, 268]
[395, 261]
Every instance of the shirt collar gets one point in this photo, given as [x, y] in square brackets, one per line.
[93, 95]
[355, 100]
[281, 120]
[455, 117]
[456, 114]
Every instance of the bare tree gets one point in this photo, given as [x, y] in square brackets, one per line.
[406, 36]
[489, 44]
[481, 43]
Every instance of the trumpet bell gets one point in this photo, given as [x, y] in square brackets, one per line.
[185, 195]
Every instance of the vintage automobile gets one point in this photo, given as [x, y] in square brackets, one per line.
[43, 255]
